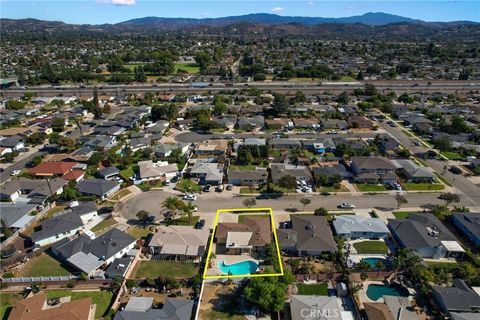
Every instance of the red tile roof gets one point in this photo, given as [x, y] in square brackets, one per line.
[52, 168]
[74, 175]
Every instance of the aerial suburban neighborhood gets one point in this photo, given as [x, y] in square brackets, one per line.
[261, 166]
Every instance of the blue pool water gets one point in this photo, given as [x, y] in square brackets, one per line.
[376, 291]
[244, 267]
[373, 262]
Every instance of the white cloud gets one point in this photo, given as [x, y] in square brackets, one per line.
[311, 3]
[277, 10]
[119, 2]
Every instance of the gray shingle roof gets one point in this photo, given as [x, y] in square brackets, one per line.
[460, 297]
[98, 187]
[56, 225]
[173, 309]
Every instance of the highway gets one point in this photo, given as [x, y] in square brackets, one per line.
[312, 87]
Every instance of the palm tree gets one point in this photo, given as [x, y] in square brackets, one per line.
[173, 204]
[188, 210]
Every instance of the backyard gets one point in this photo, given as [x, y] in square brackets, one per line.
[152, 269]
[102, 299]
[319, 289]
[371, 247]
[43, 265]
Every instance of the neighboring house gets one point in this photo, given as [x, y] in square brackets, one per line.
[279, 170]
[284, 144]
[87, 254]
[252, 234]
[246, 123]
[310, 307]
[98, 187]
[247, 177]
[37, 307]
[165, 150]
[118, 268]
[468, 224]
[388, 144]
[360, 227]
[373, 170]
[331, 172]
[319, 146]
[65, 170]
[333, 124]
[108, 173]
[140, 308]
[211, 147]
[13, 143]
[16, 216]
[392, 308]
[35, 190]
[108, 129]
[207, 173]
[57, 228]
[306, 123]
[161, 170]
[140, 143]
[413, 172]
[426, 235]
[459, 298]
[99, 142]
[86, 210]
[278, 123]
[309, 235]
[359, 122]
[179, 243]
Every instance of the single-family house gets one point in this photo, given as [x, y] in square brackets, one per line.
[468, 224]
[98, 187]
[57, 228]
[309, 307]
[16, 216]
[279, 170]
[86, 210]
[258, 176]
[373, 170]
[426, 235]
[412, 171]
[360, 227]
[108, 173]
[13, 143]
[87, 254]
[179, 242]
[160, 170]
[211, 147]
[284, 144]
[207, 172]
[140, 308]
[309, 235]
[459, 298]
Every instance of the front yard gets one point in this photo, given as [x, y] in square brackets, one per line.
[139, 232]
[102, 299]
[43, 265]
[402, 214]
[363, 187]
[332, 189]
[423, 186]
[319, 289]
[152, 269]
[102, 225]
[371, 247]
[187, 185]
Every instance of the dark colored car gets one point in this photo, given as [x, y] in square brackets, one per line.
[200, 224]
[455, 170]
[262, 196]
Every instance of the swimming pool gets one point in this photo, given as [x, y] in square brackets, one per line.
[243, 267]
[376, 291]
[373, 262]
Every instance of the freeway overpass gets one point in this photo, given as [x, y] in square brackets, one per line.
[312, 87]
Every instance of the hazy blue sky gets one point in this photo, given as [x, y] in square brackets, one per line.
[111, 11]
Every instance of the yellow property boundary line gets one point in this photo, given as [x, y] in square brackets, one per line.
[272, 223]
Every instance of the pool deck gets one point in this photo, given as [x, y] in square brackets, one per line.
[228, 259]
[363, 293]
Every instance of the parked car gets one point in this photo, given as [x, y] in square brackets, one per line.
[15, 172]
[200, 224]
[262, 196]
[207, 188]
[219, 188]
[455, 170]
[229, 187]
[190, 197]
[345, 205]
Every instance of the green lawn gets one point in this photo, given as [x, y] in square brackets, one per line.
[453, 155]
[444, 265]
[145, 186]
[363, 187]
[347, 78]
[53, 211]
[139, 232]
[189, 67]
[43, 265]
[183, 221]
[371, 247]
[102, 299]
[423, 186]
[320, 289]
[153, 269]
[7, 300]
[276, 188]
[119, 195]
[102, 225]
[187, 185]
[245, 167]
[129, 172]
[131, 66]
[332, 189]
[402, 214]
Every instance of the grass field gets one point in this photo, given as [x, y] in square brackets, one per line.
[423, 186]
[102, 225]
[371, 247]
[153, 269]
[139, 232]
[453, 155]
[102, 299]
[189, 67]
[363, 187]
[320, 289]
[43, 265]
[402, 214]
[7, 300]
[187, 185]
